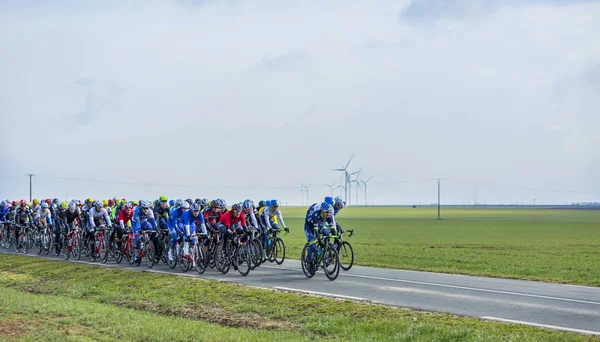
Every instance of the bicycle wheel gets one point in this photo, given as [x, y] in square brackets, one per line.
[2, 238]
[331, 263]
[184, 261]
[104, 250]
[42, 244]
[93, 256]
[117, 251]
[78, 240]
[243, 259]
[279, 254]
[173, 263]
[306, 264]
[222, 258]
[48, 242]
[346, 255]
[130, 251]
[150, 254]
[30, 240]
[166, 241]
[26, 243]
[200, 257]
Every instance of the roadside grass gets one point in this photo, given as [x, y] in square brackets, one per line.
[561, 246]
[41, 298]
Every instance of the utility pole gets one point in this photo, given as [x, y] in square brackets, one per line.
[30, 185]
[439, 199]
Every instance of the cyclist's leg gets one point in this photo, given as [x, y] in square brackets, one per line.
[135, 225]
[310, 238]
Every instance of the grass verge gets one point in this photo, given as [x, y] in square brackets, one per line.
[561, 246]
[146, 306]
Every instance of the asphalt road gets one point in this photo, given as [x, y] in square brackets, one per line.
[563, 307]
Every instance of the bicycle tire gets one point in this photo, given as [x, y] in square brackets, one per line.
[222, 258]
[104, 250]
[49, 241]
[346, 252]
[279, 251]
[173, 263]
[307, 269]
[243, 259]
[41, 245]
[150, 254]
[25, 244]
[184, 262]
[331, 256]
[201, 261]
[79, 247]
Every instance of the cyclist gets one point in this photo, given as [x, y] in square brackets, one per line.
[189, 220]
[175, 225]
[317, 222]
[212, 215]
[232, 221]
[59, 222]
[4, 210]
[269, 215]
[124, 218]
[338, 205]
[43, 217]
[96, 214]
[143, 219]
[35, 207]
[22, 217]
[161, 212]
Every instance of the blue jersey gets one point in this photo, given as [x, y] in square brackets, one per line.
[138, 215]
[190, 222]
[316, 218]
[175, 217]
[4, 213]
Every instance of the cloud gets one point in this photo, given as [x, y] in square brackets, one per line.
[294, 60]
[99, 97]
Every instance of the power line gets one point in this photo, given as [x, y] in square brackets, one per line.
[254, 186]
[517, 187]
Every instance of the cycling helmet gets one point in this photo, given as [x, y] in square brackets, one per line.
[198, 200]
[329, 200]
[185, 205]
[145, 204]
[23, 203]
[236, 207]
[14, 203]
[214, 203]
[98, 205]
[178, 202]
[261, 203]
[205, 202]
[325, 206]
[72, 206]
[90, 200]
[338, 200]
[105, 202]
[55, 201]
[172, 202]
[156, 202]
[248, 204]
[195, 206]
[3, 204]
[45, 205]
[268, 203]
[189, 200]
[222, 203]
[111, 202]
[274, 203]
[163, 198]
[134, 202]
[64, 205]
[36, 201]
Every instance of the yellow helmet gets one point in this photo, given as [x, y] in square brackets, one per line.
[105, 202]
[36, 201]
[90, 200]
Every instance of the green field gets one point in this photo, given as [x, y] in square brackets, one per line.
[57, 301]
[538, 244]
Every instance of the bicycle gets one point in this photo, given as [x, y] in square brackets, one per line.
[72, 243]
[43, 239]
[146, 250]
[6, 235]
[255, 247]
[233, 251]
[326, 257]
[275, 248]
[22, 243]
[99, 248]
[344, 249]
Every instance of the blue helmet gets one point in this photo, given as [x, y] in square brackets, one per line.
[198, 200]
[339, 200]
[268, 203]
[325, 206]
[195, 206]
[274, 203]
[329, 200]
[172, 202]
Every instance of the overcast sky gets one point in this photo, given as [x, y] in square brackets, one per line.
[234, 96]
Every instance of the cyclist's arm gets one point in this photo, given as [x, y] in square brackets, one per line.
[280, 218]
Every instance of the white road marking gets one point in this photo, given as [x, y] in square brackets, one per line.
[319, 293]
[547, 326]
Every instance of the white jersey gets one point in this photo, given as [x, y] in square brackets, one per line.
[268, 215]
[95, 214]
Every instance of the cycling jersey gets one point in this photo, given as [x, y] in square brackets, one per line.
[269, 214]
[124, 218]
[228, 219]
[95, 215]
[44, 215]
[189, 222]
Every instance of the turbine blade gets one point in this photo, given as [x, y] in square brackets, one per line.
[349, 160]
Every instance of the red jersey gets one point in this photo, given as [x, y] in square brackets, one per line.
[228, 219]
[124, 216]
[211, 216]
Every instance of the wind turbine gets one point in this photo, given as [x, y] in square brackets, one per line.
[305, 188]
[331, 187]
[344, 169]
[365, 185]
[302, 189]
[357, 181]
